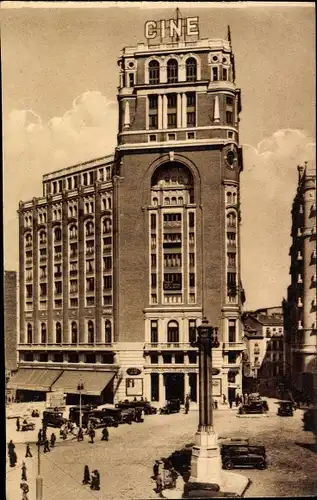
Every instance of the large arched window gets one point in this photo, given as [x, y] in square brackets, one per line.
[29, 334]
[108, 339]
[172, 71]
[191, 70]
[58, 333]
[154, 72]
[43, 333]
[91, 332]
[173, 332]
[74, 332]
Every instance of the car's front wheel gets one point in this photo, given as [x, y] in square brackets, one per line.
[228, 465]
[261, 465]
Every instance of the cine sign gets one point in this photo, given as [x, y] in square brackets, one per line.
[172, 27]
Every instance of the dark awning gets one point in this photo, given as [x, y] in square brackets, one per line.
[34, 379]
[93, 382]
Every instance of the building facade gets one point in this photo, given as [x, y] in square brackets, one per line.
[10, 320]
[300, 305]
[264, 355]
[123, 256]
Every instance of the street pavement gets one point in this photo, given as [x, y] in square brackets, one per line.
[125, 462]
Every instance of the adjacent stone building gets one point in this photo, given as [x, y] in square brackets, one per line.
[300, 305]
[10, 321]
[122, 256]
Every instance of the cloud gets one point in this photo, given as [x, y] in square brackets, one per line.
[268, 185]
[32, 148]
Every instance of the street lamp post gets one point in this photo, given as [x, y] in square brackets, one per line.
[206, 460]
[80, 388]
[39, 479]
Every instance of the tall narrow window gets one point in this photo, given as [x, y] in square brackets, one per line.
[232, 330]
[58, 333]
[154, 72]
[108, 339]
[215, 74]
[173, 332]
[43, 333]
[74, 332]
[154, 332]
[191, 109]
[131, 80]
[153, 111]
[229, 110]
[172, 71]
[91, 332]
[172, 110]
[153, 221]
[29, 334]
[192, 330]
[191, 70]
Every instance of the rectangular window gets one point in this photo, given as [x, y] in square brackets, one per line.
[191, 259]
[107, 300]
[153, 280]
[107, 282]
[191, 99]
[190, 135]
[108, 173]
[107, 263]
[231, 259]
[91, 177]
[191, 219]
[153, 221]
[90, 284]
[75, 181]
[90, 267]
[131, 80]
[43, 290]
[73, 302]
[225, 74]
[191, 119]
[152, 138]
[153, 102]
[58, 287]
[229, 117]
[85, 179]
[171, 137]
[191, 279]
[153, 121]
[171, 120]
[154, 359]
[232, 330]
[90, 301]
[229, 101]
[231, 239]
[154, 332]
[192, 330]
[232, 357]
[101, 174]
[192, 358]
[153, 260]
[172, 281]
[215, 74]
[172, 217]
[69, 183]
[172, 260]
[171, 100]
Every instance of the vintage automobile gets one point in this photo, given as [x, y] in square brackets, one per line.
[285, 408]
[27, 425]
[171, 406]
[242, 455]
[147, 408]
[310, 419]
[256, 406]
[52, 418]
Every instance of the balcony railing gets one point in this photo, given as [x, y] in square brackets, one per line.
[66, 346]
[168, 345]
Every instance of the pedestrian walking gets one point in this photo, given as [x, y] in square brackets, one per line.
[28, 451]
[159, 483]
[224, 399]
[80, 434]
[155, 469]
[187, 402]
[105, 434]
[237, 399]
[39, 436]
[230, 403]
[52, 440]
[13, 458]
[44, 435]
[93, 483]
[86, 479]
[92, 435]
[174, 477]
[46, 446]
[25, 489]
[11, 447]
[97, 483]
[18, 424]
[23, 473]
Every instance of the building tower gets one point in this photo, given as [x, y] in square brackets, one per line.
[300, 307]
[177, 219]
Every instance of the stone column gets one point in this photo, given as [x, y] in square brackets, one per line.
[164, 121]
[161, 388]
[184, 109]
[160, 112]
[179, 111]
[186, 384]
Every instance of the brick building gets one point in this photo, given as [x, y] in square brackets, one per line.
[10, 320]
[122, 256]
[300, 306]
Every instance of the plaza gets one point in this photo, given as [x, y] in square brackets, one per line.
[125, 462]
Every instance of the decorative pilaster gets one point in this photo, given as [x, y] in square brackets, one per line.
[126, 120]
[216, 110]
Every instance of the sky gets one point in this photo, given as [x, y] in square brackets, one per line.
[59, 84]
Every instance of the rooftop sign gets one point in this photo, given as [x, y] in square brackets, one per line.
[172, 28]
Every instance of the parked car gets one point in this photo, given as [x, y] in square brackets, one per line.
[53, 418]
[171, 406]
[143, 405]
[285, 408]
[310, 420]
[241, 455]
[256, 406]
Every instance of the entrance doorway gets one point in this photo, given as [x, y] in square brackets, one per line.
[231, 394]
[174, 386]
